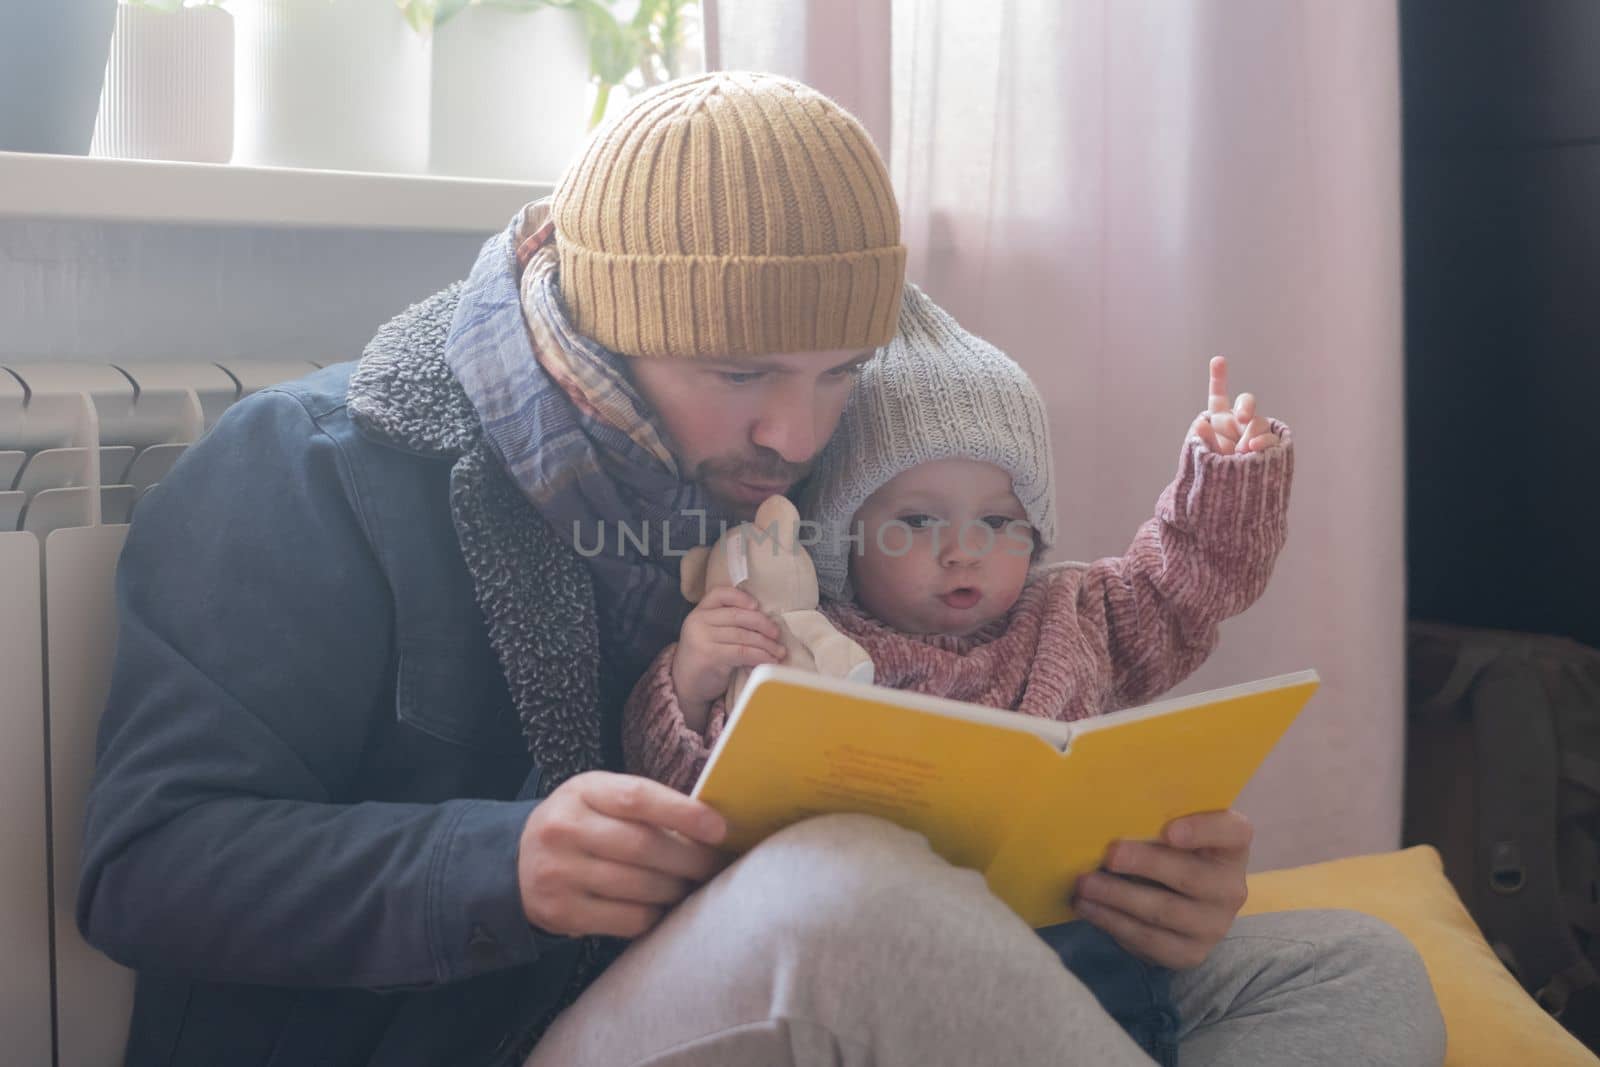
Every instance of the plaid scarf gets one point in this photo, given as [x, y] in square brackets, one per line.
[578, 439]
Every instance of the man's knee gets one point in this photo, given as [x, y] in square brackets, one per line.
[856, 882]
[1383, 963]
[842, 848]
[1362, 943]
[859, 927]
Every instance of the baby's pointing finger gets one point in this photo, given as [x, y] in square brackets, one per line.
[1218, 400]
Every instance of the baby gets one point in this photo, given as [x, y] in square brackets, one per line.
[935, 503]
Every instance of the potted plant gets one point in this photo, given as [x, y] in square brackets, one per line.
[52, 61]
[517, 83]
[510, 89]
[662, 41]
[330, 84]
[169, 83]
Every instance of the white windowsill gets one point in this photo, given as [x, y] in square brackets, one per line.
[127, 190]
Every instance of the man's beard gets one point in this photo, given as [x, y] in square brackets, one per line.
[768, 468]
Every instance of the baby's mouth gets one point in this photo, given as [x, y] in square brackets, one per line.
[962, 598]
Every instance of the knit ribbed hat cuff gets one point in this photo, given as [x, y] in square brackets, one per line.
[720, 307]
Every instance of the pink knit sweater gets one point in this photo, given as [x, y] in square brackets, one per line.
[1082, 639]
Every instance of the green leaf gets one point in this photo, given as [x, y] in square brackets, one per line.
[445, 10]
[647, 43]
[523, 6]
[600, 101]
[613, 49]
[166, 6]
[419, 13]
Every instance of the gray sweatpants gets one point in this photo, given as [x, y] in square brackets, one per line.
[845, 940]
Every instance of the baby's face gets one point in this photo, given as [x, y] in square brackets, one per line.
[946, 548]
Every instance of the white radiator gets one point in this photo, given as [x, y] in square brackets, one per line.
[79, 445]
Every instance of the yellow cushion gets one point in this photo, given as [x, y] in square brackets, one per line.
[1489, 1019]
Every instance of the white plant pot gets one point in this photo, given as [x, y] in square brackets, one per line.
[332, 85]
[169, 86]
[511, 93]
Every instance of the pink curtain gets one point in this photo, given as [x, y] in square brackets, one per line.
[839, 47]
[1115, 190]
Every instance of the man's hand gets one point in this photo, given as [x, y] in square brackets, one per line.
[612, 853]
[1199, 873]
[1228, 428]
[724, 631]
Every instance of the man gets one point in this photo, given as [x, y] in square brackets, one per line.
[352, 803]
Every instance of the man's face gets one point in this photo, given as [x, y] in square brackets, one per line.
[748, 428]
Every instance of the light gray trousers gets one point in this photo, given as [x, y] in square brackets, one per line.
[845, 940]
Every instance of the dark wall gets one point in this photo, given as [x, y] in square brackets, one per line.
[1502, 208]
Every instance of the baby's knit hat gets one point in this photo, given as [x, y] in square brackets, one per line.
[934, 392]
[728, 215]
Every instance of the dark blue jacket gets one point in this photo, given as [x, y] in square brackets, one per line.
[338, 619]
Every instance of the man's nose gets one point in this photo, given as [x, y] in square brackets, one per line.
[788, 428]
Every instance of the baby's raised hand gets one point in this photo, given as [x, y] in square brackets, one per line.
[725, 631]
[1229, 428]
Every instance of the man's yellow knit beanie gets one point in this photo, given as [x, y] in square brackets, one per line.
[730, 215]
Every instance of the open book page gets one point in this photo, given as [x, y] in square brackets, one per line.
[1031, 803]
[799, 745]
[1053, 733]
[1206, 699]
[1126, 775]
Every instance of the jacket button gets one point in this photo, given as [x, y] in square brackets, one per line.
[482, 948]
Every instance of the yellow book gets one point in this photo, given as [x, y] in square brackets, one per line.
[1030, 802]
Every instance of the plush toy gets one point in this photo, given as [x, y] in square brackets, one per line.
[766, 560]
